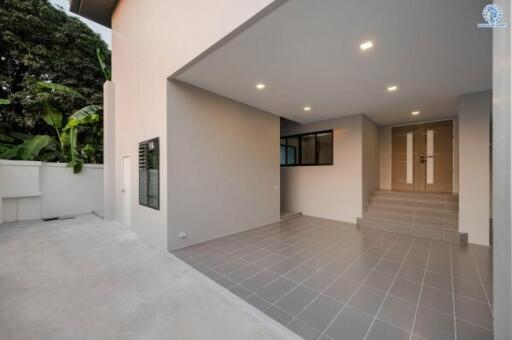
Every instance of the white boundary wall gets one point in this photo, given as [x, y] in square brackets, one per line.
[31, 190]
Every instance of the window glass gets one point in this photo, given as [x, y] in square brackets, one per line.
[292, 151]
[314, 148]
[283, 151]
[308, 149]
[324, 146]
[149, 173]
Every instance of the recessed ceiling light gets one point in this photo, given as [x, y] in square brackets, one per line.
[392, 88]
[366, 45]
[415, 113]
[260, 86]
[307, 108]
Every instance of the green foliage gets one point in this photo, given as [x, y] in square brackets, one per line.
[60, 89]
[86, 115]
[52, 70]
[104, 68]
[29, 149]
[51, 116]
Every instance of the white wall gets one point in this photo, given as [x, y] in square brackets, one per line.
[109, 156]
[333, 192]
[33, 190]
[150, 41]
[223, 165]
[371, 158]
[502, 156]
[385, 154]
[474, 180]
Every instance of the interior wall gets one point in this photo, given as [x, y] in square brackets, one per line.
[385, 157]
[150, 41]
[223, 166]
[502, 157]
[332, 192]
[385, 154]
[474, 190]
[371, 158]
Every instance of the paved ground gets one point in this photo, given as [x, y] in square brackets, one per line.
[87, 279]
[330, 280]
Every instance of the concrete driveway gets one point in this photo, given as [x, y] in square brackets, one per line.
[90, 279]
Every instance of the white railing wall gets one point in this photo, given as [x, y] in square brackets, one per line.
[32, 190]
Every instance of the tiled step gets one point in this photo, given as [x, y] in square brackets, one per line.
[413, 211]
[434, 222]
[430, 215]
[427, 231]
[422, 196]
[414, 203]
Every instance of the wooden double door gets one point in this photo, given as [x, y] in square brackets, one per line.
[422, 157]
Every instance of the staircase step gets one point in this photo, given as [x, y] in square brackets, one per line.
[431, 232]
[414, 203]
[440, 222]
[428, 215]
[413, 211]
[424, 197]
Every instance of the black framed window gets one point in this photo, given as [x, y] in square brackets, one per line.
[149, 173]
[314, 148]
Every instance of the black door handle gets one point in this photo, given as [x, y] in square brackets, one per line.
[422, 158]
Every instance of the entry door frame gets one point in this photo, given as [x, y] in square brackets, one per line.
[453, 122]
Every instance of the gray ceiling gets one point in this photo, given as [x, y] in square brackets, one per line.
[99, 11]
[307, 53]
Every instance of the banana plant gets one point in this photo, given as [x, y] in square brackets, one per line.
[67, 134]
[29, 150]
[54, 87]
[84, 116]
[15, 145]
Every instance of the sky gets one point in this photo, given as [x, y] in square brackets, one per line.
[105, 32]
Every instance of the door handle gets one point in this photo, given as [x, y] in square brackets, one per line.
[422, 158]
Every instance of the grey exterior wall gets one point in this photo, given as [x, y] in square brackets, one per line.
[371, 158]
[223, 166]
[501, 178]
[145, 53]
[474, 173]
[333, 192]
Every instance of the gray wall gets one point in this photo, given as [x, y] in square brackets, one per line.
[474, 176]
[371, 158]
[333, 192]
[501, 178]
[223, 166]
[145, 53]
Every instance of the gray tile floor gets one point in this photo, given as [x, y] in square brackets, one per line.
[330, 280]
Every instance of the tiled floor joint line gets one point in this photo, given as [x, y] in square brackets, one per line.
[421, 291]
[389, 289]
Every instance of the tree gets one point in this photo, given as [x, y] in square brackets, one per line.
[39, 42]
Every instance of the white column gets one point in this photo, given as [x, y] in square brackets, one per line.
[109, 193]
[474, 166]
[502, 156]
